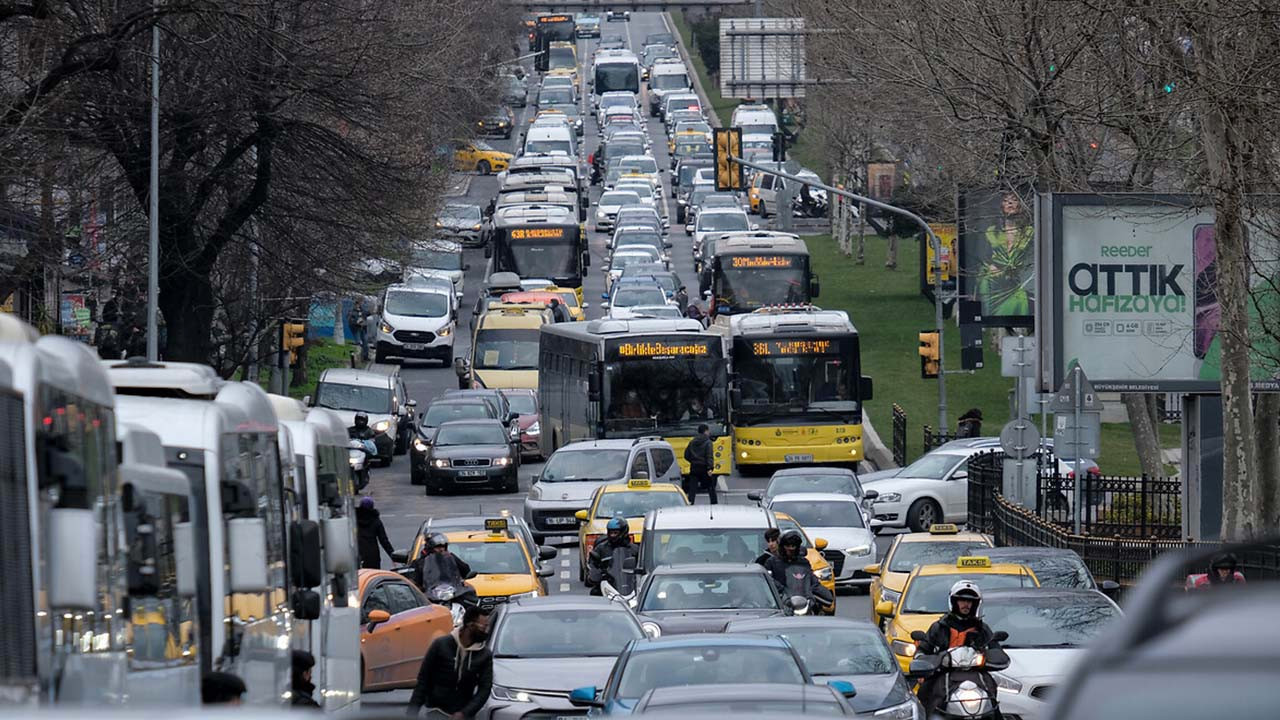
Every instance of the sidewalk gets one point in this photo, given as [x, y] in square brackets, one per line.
[459, 184]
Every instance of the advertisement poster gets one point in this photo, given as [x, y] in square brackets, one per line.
[997, 256]
[1136, 295]
[76, 317]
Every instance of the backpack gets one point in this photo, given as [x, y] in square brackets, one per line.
[354, 317]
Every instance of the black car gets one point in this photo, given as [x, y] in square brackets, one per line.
[854, 651]
[499, 123]
[470, 454]
[705, 597]
[441, 411]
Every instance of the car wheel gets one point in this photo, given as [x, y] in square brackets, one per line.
[379, 357]
[482, 167]
[402, 445]
[923, 513]
[764, 211]
[415, 478]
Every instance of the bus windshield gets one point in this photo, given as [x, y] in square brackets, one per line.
[617, 76]
[776, 380]
[558, 30]
[747, 283]
[506, 349]
[674, 394]
[539, 257]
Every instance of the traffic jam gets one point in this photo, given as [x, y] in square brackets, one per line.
[570, 539]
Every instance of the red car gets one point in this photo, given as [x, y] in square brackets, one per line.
[525, 402]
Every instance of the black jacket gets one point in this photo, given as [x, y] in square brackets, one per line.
[434, 569]
[938, 638]
[603, 550]
[302, 695]
[699, 453]
[370, 533]
[451, 681]
[779, 569]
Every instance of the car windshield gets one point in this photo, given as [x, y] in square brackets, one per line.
[642, 165]
[436, 258]
[702, 665]
[580, 465]
[636, 504]
[669, 81]
[941, 552]
[639, 217]
[841, 651]
[814, 706]
[616, 198]
[817, 482]
[682, 547]
[1057, 571]
[360, 398]
[759, 129]
[614, 101]
[629, 296]
[555, 95]
[930, 593]
[416, 304]
[822, 513]
[720, 222]
[715, 199]
[622, 260]
[460, 212]
[523, 403]
[565, 633]
[933, 466]
[470, 434]
[1049, 621]
[506, 349]
[441, 413]
[493, 558]
[709, 592]
[624, 147]
[564, 147]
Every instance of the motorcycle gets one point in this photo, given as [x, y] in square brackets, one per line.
[965, 690]
[815, 208]
[360, 454]
[619, 585]
[445, 587]
[802, 591]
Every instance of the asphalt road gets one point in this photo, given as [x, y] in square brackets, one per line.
[403, 506]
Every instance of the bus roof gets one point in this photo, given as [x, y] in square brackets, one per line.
[782, 321]
[541, 214]
[606, 328]
[735, 243]
[508, 316]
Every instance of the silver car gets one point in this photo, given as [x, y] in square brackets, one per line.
[841, 521]
[543, 648]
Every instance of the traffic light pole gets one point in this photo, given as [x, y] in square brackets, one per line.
[937, 266]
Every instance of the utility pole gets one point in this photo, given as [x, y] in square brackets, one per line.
[153, 254]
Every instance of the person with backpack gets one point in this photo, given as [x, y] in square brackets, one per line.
[359, 329]
[699, 454]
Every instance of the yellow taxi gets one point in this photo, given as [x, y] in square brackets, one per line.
[570, 298]
[687, 136]
[813, 553]
[943, 543]
[503, 569]
[480, 157]
[926, 597]
[630, 501]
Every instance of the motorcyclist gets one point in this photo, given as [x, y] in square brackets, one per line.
[790, 569]
[617, 535]
[439, 566]
[962, 626]
[361, 430]
[1222, 571]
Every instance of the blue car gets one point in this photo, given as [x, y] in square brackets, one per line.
[682, 660]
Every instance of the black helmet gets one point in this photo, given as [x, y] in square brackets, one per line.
[791, 539]
[435, 540]
[1225, 561]
[362, 420]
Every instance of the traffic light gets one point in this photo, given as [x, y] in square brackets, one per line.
[779, 147]
[728, 143]
[929, 355]
[293, 335]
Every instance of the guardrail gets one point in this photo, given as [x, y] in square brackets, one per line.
[899, 435]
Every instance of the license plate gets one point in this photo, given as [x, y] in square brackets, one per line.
[797, 458]
[471, 473]
[414, 346]
[562, 520]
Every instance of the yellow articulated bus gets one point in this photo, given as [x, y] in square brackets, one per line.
[639, 378]
[797, 387]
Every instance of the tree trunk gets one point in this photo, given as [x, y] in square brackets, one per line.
[298, 377]
[891, 260]
[1145, 440]
[1267, 430]
[186, 299]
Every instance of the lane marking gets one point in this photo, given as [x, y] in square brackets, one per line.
[564, 562]
[564, 574]
[564, 587]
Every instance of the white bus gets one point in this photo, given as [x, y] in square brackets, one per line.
[615, 70]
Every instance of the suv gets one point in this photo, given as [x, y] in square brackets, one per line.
[382, 397]
[572, 474]
[419, 320]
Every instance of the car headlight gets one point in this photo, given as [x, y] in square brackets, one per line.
[440, 463]
[385, 328]
[419, 445]
[825, 573]
[1004, 682]
[534, 429]
[475, 227]
[530, 594]
[906, 648]
[600, 214]
[445, 331]
[501, 462]
[889, 497]
[908, 710]
[890, 595]
[859, 550]
[510, 694]
[382, 426]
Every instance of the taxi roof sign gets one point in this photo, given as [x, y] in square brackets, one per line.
[944, 529]
[495, 525]
[973, 561]
[639, 483]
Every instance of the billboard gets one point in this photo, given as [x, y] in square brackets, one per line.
[997, 256]
[762, 58]
[1133, 288]
[946, 233]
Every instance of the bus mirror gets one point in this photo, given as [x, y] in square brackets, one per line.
[304, 554]
[814, 287]
[184, 555]
[247, 548]
[586, 259]
[593, 385]
[140, 533]
[488, 251]
[339, 557]
[865, 389]
[306, 605]
[327, 489]
[72, 559]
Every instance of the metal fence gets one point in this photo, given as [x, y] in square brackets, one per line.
[899, 435]
[935, 439]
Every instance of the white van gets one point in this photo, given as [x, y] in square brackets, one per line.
[754, 119]
[419, 320]
[550, 139]
[665, 78]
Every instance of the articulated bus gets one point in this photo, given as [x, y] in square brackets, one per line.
[748, 271]
[638, 378]
[797, 387]
[540, 241]
[549, 29]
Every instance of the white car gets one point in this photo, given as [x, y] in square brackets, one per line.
[608, 205]
[717, 221]
[625, 297]
[840, 520]
[633, 255]
[933, 489]
[1049, 631]
[646, 311]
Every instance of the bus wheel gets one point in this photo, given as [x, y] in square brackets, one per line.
[482, 167]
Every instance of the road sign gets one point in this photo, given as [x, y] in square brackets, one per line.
[1018, 356]
[1019, 438]
[762, 57]
[1064, 400]
[1072, 441]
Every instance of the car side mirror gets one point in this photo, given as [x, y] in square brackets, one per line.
[582, 516]
[755, 496]
[918, 635]
[306, 400]
[820, 544]
[376, 618]
[872, 569]
[885, 608]
[544, 571]
[870, 494]
[546, 552]
[584, 697]
[959, 475]
[1110, 588]
[400, 556]
[866, 389]
[470, 575]
[1000, 636]
[844, 687]
[755, 226]
[876, 525]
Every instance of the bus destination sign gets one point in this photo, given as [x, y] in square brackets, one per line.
[554, 18]
[767, 348]
[654, 348]
[540, 233]
[763, 261]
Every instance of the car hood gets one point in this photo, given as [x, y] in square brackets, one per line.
[842, 538]
[526, 420]
[899, 484]
[466, 451]
[878, 475]
[463, 224]
[680, 622]
[454, 275]
[570, 491]
[348, 417]
[554, 674]
[1038, 666]
[874, 691]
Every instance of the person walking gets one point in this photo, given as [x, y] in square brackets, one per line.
[970, 424]
[303, 688]
[699, 456]
[359, 331]
[370, 533]
[682, 299]
[456, 675]
[558, 311]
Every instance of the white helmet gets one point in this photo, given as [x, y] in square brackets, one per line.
[966, 590]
